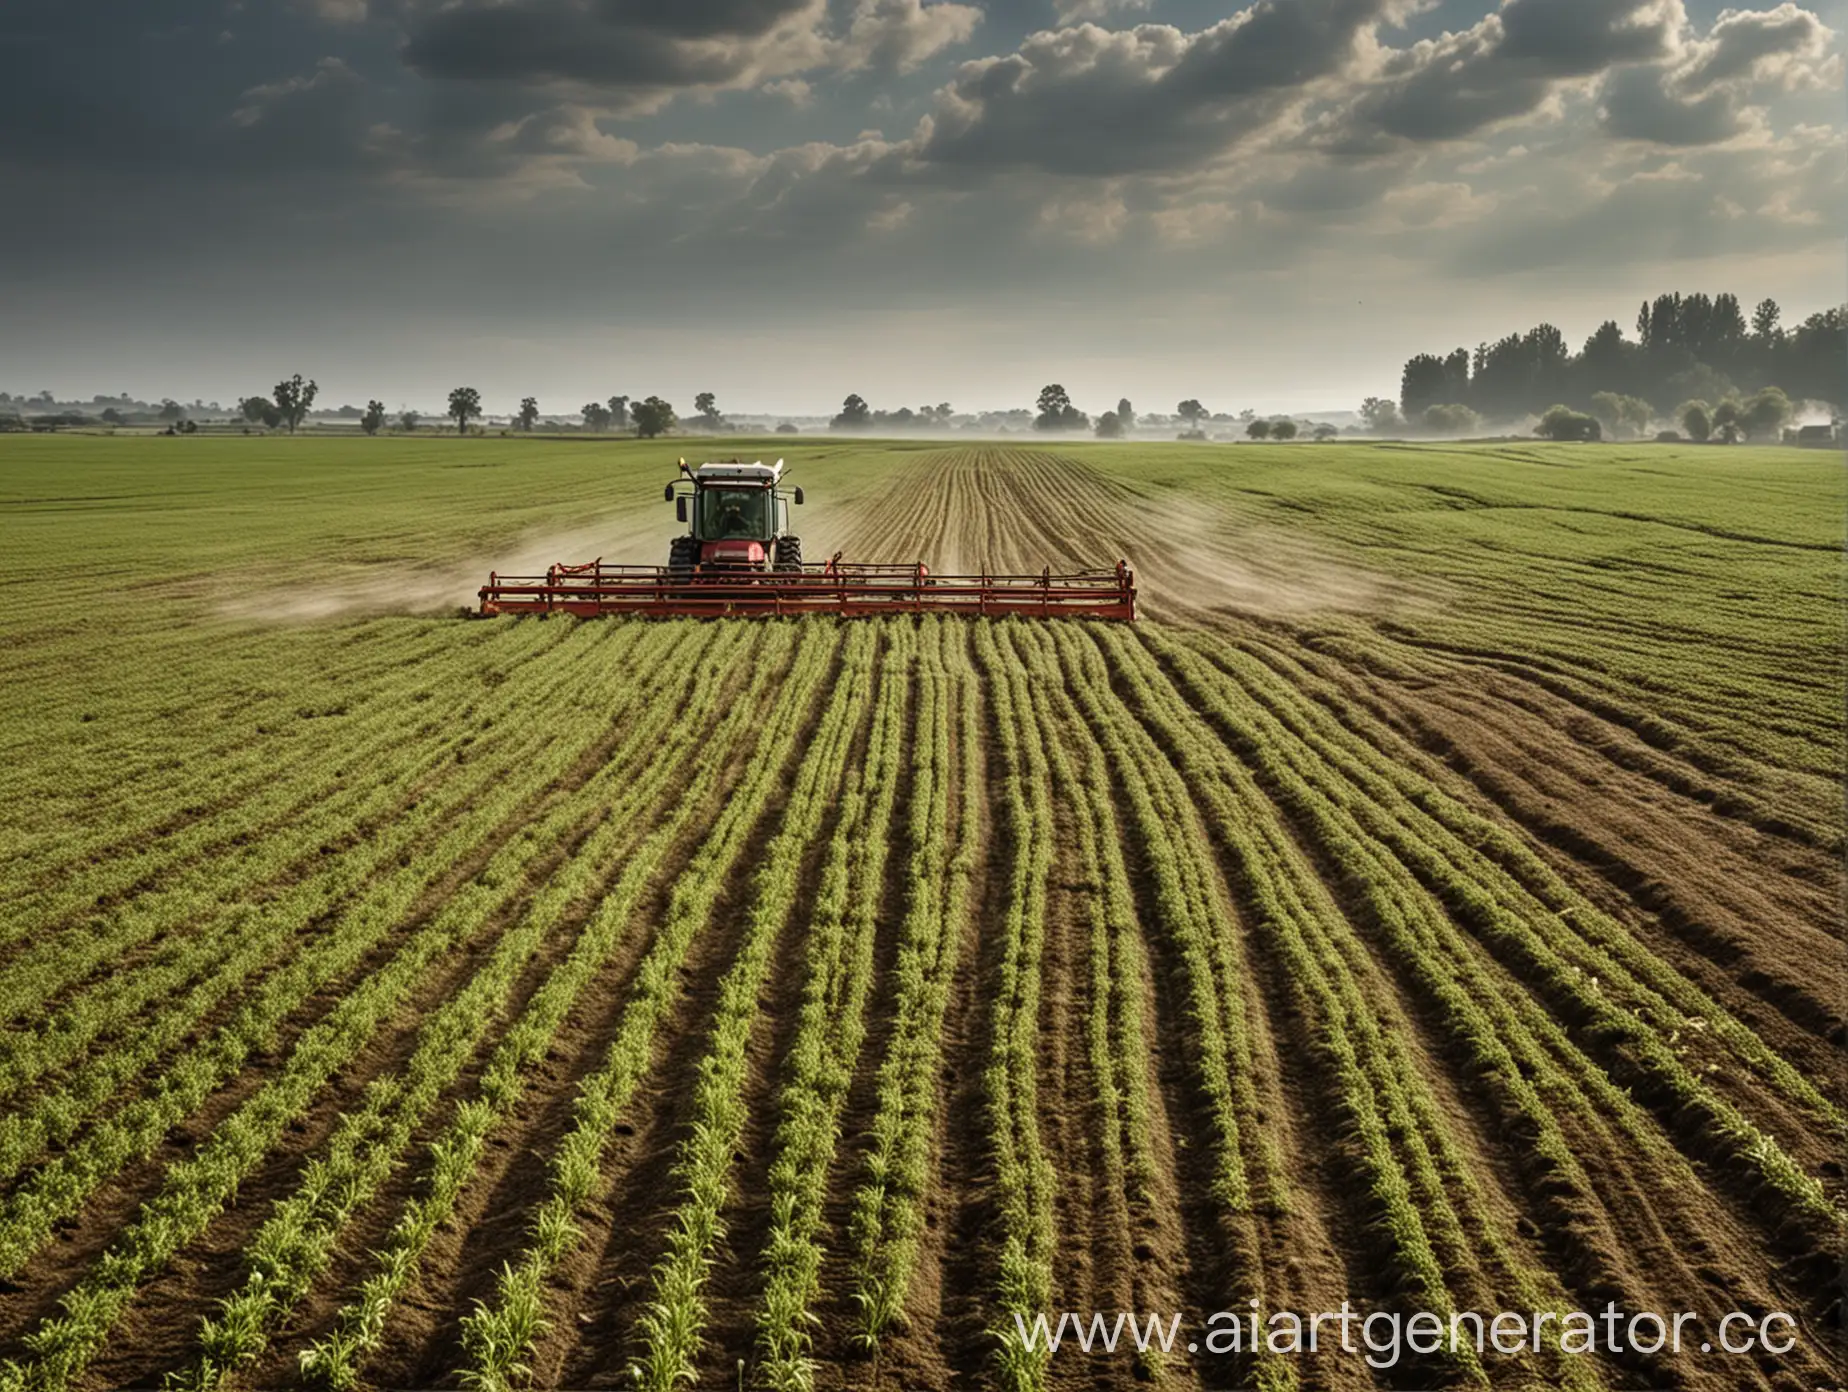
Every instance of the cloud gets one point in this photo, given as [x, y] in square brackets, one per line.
[1636, 104]
[1700, 205]
[792, 89]
[1511, 64]
[314, 121]
[1781, 46]
[897, 35]
[339, 11]
[273, 99]
[638, 54]
[1713, 89]
[650, 47]
[1075, 11]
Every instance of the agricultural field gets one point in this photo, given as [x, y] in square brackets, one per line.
[1431, 904]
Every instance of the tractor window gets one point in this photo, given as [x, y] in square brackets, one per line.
[730, 513]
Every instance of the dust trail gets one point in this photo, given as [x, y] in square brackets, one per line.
[410, 587]
[1204, 564]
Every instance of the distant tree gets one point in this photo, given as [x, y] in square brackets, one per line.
[529, 412]
[1765, 413]
[255, 408]
[1110, 426]
[1258, 429]
[1381, 415]
[1623, 417]
[1126, 415]
[374, 417]
[295, 399]
[1283, 430]
[1422, 384]
[407, 420]
[1192, 412]
[1327, 432]
[855, 414]
[597, 416]
[1696, 419]
[1700, 383]
[1564, 423]
[1727, 417]
[1247, 416]
[653, 417]
[113, 416]
[1764, 321]
[1056, 411]
[464, 406]
[619, 412]
[708, 407]
[171, 410]
[785, 428]
[1449, 419]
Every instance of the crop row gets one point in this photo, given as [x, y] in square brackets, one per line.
[361, 925]
[831, 1022]
[293, 1247]
[194, 1191]
[204, 799]
[338, 1359]
[1023, 1178]
[672, 1324]
[498, 1338]
[1410, 1160]
[243, 926]
[1630, 1002]
[944, 830]
[1116, 1043]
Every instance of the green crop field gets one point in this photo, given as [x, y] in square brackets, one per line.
[1431, 903]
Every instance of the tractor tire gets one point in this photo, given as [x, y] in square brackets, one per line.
[683, 555]
[789, 553]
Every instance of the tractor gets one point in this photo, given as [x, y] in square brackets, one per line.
[739, 559]
[738, 520]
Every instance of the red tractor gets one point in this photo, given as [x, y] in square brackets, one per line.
[738, 519]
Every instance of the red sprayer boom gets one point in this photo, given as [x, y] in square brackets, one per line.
[596, 589]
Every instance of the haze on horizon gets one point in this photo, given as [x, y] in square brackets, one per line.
[1267, 205]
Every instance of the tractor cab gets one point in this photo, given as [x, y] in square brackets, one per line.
[737, 516]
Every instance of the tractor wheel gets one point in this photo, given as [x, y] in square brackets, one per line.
[682, 554]
[789, 553]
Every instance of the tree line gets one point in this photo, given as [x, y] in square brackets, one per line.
[1689, 349]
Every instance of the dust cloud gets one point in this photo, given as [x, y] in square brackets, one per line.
[1199, 565]
[444, 587]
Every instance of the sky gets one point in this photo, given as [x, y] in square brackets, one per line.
[1267, 205]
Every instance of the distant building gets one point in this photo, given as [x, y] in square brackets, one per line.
[1818, 436]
